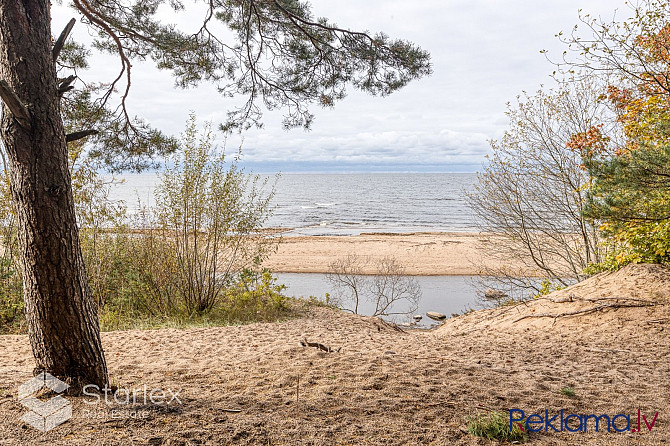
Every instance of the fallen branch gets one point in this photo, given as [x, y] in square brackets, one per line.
[599, 299]
[389, 325]
[306, 343]
[658, 321]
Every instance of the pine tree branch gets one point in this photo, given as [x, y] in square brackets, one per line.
[58, 46]
[61, 92]
[79, 135]
[14, 104]
[66, 85]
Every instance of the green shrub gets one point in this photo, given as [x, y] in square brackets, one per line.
[211, 215]
[317, 301]
[255, 297]
[568, 391]
[129, 274]
[494, 425]
[549, 286]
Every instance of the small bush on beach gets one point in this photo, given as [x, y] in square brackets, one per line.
[140, 288]
[136, 289]
[131, 277]
[255, 297]
[568, 391]
[494, 425]
[317, 301]
[549, 286]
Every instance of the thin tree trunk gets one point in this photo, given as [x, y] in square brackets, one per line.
[61, 317]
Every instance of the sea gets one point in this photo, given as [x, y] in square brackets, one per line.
[351, 204]
[348, 204]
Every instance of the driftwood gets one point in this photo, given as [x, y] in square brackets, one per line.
[658, 321]
[382, 323]
[306, 343]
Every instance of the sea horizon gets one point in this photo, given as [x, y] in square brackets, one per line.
[348, 203]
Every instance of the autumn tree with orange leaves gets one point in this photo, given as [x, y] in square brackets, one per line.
[580, 182]
[631, 188]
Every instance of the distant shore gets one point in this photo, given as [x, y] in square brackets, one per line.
[422, 253]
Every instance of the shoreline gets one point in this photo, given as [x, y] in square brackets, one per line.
[421, 253]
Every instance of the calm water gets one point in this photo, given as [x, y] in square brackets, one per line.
[348, 204]
[444, 294]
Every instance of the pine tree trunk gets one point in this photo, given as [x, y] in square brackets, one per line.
[61, 316]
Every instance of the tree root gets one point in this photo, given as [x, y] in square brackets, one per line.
[574, 297]
[633, 303]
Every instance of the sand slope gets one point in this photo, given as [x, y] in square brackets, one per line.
[385, 386]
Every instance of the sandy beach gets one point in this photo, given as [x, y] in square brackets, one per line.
[422, 253]
[256, 385]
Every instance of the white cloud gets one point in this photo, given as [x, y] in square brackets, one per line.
[484, 53]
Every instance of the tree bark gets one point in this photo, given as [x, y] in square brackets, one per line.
[61, 316]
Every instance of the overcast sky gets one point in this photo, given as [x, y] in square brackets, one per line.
[484, 53]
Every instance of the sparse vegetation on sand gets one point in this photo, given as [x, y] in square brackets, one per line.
[495, 425]
[255, 384]
[194, 259]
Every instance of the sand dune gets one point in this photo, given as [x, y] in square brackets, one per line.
[384, 386]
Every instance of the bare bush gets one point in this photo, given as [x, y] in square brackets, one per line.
[385, 289]
[533, 192]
